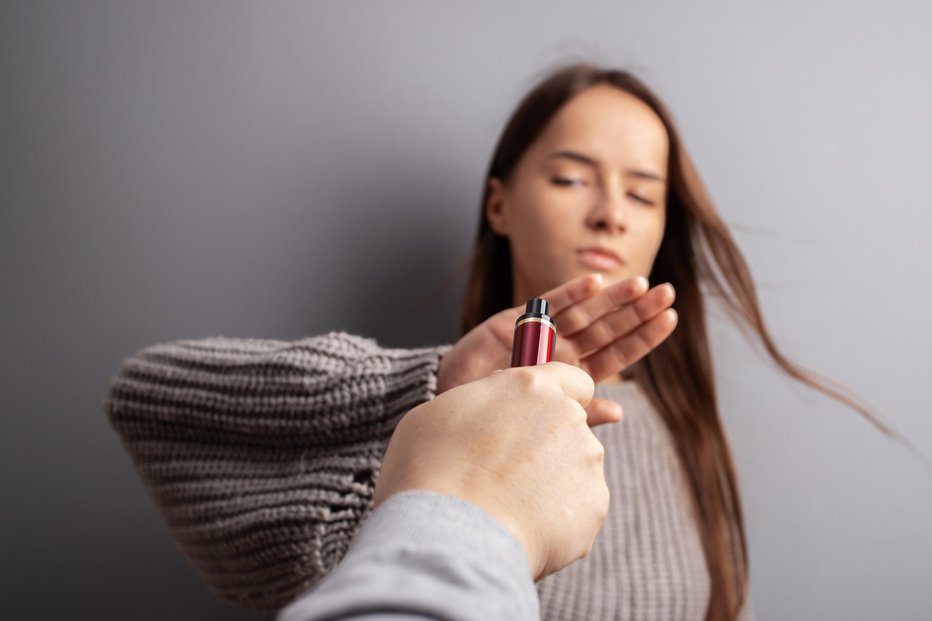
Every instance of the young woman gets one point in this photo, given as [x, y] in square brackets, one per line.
[262, 454]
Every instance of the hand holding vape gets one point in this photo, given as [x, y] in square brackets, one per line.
[535, 335]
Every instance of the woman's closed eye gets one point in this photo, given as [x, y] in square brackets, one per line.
[641, 199]
[567, 181]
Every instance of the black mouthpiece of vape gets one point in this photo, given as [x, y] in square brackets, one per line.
[537, 305]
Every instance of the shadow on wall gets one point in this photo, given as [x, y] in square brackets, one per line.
[407, 274]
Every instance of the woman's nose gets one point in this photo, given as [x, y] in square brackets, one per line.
[609, 213]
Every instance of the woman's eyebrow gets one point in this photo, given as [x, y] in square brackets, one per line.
[589, 161]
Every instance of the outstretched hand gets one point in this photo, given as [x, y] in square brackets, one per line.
[601, 329]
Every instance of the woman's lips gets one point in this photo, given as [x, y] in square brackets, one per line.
[599, 258]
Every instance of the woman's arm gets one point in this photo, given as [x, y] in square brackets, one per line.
[262, 454]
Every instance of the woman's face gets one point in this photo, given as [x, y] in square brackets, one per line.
[587, 196]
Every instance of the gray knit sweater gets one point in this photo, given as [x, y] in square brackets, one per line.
[261, 455]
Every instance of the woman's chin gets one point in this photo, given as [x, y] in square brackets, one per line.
[610, 275]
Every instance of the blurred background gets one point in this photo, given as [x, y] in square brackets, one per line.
[184, 169]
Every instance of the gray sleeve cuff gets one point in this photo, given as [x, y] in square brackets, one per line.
[426, 555]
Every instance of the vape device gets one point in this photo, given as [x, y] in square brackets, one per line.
[535, 335]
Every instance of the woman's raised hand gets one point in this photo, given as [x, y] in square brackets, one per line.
[601, 329]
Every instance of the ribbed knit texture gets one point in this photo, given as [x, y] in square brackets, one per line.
[261, 456]
[647, 561]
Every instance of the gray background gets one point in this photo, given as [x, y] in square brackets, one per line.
[278, 169]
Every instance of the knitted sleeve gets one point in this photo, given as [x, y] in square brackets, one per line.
[262, 454]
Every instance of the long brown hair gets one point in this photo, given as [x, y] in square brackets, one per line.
[677, 376]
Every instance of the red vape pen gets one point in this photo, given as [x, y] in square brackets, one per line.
[535, 335]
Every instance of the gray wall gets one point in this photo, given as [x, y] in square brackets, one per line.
[278, 169]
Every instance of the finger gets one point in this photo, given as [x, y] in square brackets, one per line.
[573, 381]
[558, 298]
[601, 411]
[627, 350]
[578, 316]
[572, 291]
[623, 320]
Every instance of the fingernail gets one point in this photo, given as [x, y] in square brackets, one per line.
[619, 412]
[642, 283]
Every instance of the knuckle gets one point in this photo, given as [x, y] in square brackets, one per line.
[605, 333]
[597, 453]
[520, 379]
[585, 378]
[574, 317]
[642, 308]
[601, 514]
[577, 412]
[620, 355]
[525, 378]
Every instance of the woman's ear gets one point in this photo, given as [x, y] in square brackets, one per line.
[495, 207]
